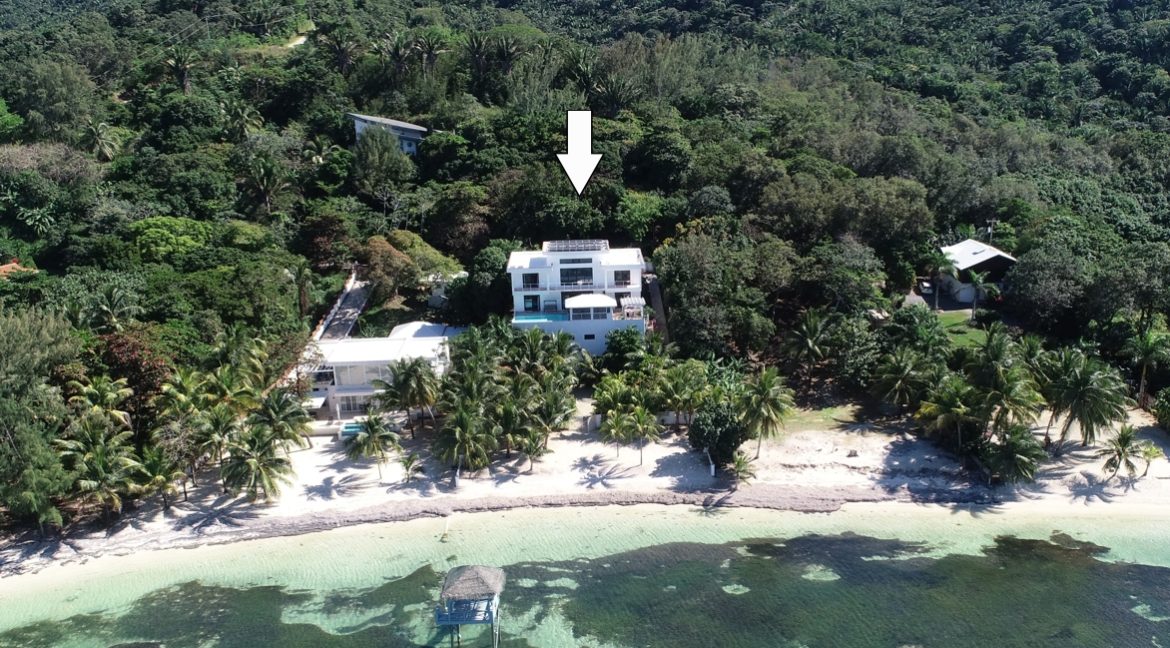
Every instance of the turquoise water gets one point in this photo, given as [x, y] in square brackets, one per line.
[540, 317]
[614, 577]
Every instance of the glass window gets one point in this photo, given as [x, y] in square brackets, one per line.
[601, 313]
[531, 303]
[590, 336]
[530, 280]
[621, 277]
[576, 261]
[576, 276]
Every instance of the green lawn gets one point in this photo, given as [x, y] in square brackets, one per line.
[955, 323]
[821, 419]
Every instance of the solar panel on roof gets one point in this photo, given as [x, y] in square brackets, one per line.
[583, 245]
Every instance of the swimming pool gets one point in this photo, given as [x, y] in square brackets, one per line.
[540, 317]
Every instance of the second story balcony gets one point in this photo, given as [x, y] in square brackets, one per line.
[576, 285]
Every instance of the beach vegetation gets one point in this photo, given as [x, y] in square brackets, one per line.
[374, 440]
[178, 211]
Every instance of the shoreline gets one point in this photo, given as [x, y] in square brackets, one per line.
[819, 470]
[33, 556]
[27, 557]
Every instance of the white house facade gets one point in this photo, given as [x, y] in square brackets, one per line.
[583, 288]
[343, 383]
[409, 135]
[974, 256]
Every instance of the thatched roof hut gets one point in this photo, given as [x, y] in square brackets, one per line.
[472, 582]
[471, 596]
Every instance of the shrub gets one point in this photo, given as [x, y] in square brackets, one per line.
[718, 429]
[1161, 408]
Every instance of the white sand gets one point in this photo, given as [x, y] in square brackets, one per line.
[808, 470]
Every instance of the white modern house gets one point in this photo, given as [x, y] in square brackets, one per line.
[343, 382]
[974, 256]
[583, 288]
[409, 135]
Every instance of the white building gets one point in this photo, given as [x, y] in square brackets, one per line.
[342, 384]
[974, 256]
[409, 135]
[582, 288]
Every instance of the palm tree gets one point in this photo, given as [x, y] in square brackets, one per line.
[673, 392]
[902, 377]
[805, 344]
[1012, 399]
[613, 92]
[1150, 453]
[1147, 350]
[1093, 397]
[478, 49]
[413, 384]
[229, 387]
[511, 414]
[429, 45]
[102, 396]
[218, 428]
[978, 281]
[266, 178]
[373, 440]
[103, 462]
[318, 151]
[254, 466]
[643, 427]
[159, 474]
[1121, 452]
[950, 406]
[765, 404]
[612, 395]
[464, 440]
[1016, 455]
[508, 50]
[343, 46]
[283, 417]
[412, 466]
[396, 52]
[110, 308]
[616, 428]
[421, 386]
[942, 266]
[240, 118]
[100, 139]
[179, 64]
[741, 469]
[183, 394]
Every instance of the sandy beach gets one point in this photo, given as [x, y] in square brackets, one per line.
[817, 467]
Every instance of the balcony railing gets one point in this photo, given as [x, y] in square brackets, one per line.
[581, 285]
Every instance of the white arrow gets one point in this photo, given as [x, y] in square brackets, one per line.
[580, 161]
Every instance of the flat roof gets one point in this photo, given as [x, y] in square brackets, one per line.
[386, 121]
[970, 253]
[410, 340]
[528, 259]
[534, 259]
[622, 257]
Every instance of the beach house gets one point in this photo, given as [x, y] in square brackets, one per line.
[584, 288]
[974, 256]
[343, 382]
[409, 135]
